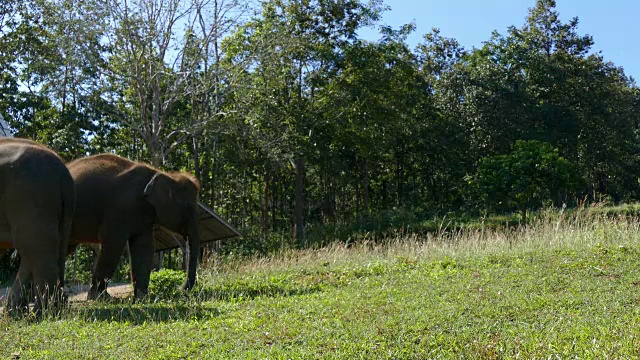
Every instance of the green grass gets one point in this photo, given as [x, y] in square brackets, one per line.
[568, 286]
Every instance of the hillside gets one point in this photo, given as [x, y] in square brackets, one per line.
[566, 286]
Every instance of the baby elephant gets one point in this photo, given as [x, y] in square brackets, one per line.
[119, 201]
[37, 199]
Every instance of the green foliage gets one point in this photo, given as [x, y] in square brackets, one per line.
[294, 125]
[164, 284]
[532, 174]
[79, 266]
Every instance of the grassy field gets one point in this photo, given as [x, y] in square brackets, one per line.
[568, 286]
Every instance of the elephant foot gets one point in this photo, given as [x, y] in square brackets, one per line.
[63, 298]
[60, 299]
[14, 310]
[49, 302]
[17, 302]
[140, 294]
[16, 313]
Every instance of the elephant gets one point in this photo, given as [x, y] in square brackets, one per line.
[119, 201]
[37, 200]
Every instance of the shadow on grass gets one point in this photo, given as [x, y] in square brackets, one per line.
[253, 291]
[196, 305]
[140, 313]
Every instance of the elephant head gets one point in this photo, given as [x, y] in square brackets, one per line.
[174, 198]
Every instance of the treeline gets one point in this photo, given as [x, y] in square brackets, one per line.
[292, 122]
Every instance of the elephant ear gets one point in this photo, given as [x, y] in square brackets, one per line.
[159, 190]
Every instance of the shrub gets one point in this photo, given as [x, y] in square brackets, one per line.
[164, 283]
[530, 176]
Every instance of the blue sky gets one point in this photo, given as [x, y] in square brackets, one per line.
[614, 24]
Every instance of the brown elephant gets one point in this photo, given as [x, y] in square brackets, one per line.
[37, 199]
[119, 201]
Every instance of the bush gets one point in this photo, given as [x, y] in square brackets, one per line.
[164, 283]
[531, 176]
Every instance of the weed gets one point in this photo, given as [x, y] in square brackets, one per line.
[164, 283]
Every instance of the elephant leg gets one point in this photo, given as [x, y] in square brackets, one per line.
[113, 243]
[71, 249]
[42, 259]
[19, 293]
[141, 249]
[46, 284]
[38, 245]
[61, 296]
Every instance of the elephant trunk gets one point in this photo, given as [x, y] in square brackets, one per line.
[193, 254]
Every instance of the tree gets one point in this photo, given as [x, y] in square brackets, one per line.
[213, 21]
[160, 67]
[539, 82]
[53, 70]
[530, 175]
[288, 52]
[447, 151]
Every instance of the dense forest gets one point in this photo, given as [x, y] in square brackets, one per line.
[293, 123]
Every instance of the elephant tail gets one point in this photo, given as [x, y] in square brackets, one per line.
[68, 199]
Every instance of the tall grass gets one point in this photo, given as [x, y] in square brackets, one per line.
[549, 229]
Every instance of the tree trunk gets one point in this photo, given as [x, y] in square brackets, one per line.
[399, 183]
[284, 187]
[243, 211]
[299, 204]
[365, 188]
[155, 152]
[214, 171]
[385, 195]
[252, 214]
[265, 206]
[328, 206]
[357, 202]
[196, 159]
[274, 202]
